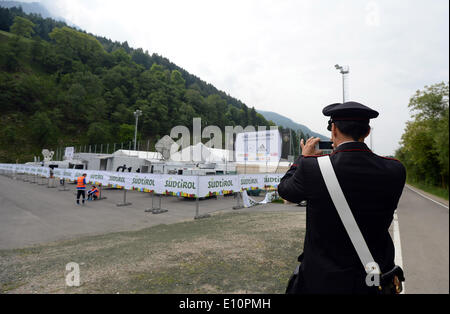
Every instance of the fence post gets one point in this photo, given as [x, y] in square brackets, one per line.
[124, 199]
[158, 210]
[100, 197]
[64, 185]
[42, 180]
[51, 179]
[151, 209]
[197, 203]
[237, 195]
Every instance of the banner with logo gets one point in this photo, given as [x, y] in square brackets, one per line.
[218, 185]
[271, 180]
[251, 181]
[97, 177]
[118, 180]
[260, 146]
[185, 186]
[176, 185]
[144, 182]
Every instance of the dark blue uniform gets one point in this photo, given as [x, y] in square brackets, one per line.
[372, 186]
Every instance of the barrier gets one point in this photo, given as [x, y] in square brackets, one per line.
[165, 184]
[125, 203]
[159, 209]
[193, 187]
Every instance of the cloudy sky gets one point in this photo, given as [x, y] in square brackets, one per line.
[280, 55]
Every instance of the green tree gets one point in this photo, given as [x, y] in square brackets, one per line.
[22, 27]
[424, 145]
[74, 45]
[43, 130]
[126, 132]
[99, 133]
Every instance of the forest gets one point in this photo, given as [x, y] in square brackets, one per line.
[425, 142]
[61, 86]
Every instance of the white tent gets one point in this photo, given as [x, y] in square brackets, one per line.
[138, 154]
[202, 153]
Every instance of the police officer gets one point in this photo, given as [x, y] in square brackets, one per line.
[371, 184]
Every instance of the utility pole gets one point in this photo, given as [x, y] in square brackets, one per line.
[137, 113]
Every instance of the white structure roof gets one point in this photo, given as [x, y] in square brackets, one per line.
[201, 152]
[138, 154]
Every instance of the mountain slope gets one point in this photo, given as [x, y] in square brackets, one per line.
[28, 7]
[34, 8]
[285, 122]
[65, 87]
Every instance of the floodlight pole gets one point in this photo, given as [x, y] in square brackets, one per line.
[137, 113]
[344, 70]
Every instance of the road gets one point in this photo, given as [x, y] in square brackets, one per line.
[32, 214]
[424, 235]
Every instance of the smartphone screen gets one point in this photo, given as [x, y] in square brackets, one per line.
[325, 145]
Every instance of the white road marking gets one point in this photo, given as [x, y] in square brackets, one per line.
[414, 190]
[398, 246]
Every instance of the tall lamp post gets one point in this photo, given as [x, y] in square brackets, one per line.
[137, 113]
[344, 70]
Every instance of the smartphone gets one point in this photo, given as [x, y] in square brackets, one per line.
[328, 145]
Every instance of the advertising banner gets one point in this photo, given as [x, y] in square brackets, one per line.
[185, 186]
[176, 185]
[218, 185]
[68, 153]
[251, 181]
[271, 180]
[261, 146]
[97, 177]
[118, 180]
[144, 182]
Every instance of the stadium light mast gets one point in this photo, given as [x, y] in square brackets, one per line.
[137, 113]
[344, 70]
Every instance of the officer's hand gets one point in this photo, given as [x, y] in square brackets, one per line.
[309, 149]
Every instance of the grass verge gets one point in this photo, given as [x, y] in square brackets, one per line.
[437, 191]
[226, 253]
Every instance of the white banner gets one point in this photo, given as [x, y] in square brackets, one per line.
[251, 181]
[184, 186]
[272, 180]
[218, 185]
[261, 146]
[68, 153]
[144, 182]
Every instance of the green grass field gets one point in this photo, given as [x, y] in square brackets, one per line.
[227, 253]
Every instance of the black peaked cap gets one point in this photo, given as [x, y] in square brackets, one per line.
[350, 110]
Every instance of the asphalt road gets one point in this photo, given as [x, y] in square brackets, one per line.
[424, 236]
[32, 214]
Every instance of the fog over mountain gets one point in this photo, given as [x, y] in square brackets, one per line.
[285, 122]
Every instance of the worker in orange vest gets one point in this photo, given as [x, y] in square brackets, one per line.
[93, 193]
[81, 188]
